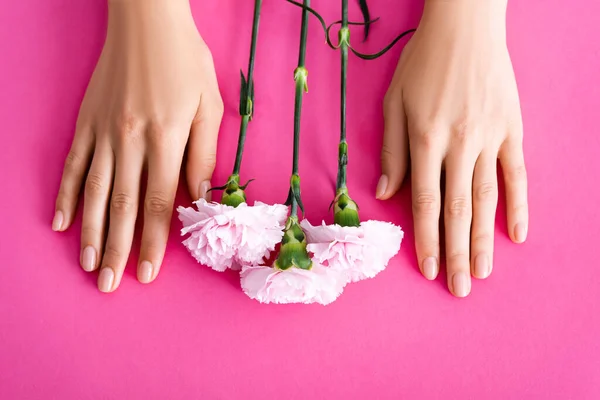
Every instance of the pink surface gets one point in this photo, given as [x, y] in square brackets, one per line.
[529, 332]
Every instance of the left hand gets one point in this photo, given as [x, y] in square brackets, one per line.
[454, 105]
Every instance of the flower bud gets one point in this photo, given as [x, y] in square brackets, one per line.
[345, 210]
[234, 194]
[293, 248]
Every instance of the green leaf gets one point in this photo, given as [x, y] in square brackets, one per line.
[364, 9]
[243, 94]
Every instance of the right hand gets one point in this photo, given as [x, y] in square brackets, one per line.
[154, 92]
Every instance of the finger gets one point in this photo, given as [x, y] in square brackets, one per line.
[163, 176]
[485, 200]
[394, 152]
[95, 204]
[76, 164]
[458, 211]
[202, 147]
[515, 179]
[426, 166]
[123, 213]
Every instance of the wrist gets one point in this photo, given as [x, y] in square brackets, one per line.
[485, 18]
[148, 13]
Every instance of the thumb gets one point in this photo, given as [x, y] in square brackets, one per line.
[394, 152]
[202, 148]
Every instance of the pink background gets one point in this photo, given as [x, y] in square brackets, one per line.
[529, 332]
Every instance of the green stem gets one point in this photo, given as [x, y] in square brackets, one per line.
[304, 34]
[246, 104]
[300, 77]
[241, 142]
[343, 146]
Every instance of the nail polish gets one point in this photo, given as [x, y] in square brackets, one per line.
[461, 284]
[58, 220]
[430, 268]
[106, 279]
[145, 272]
[381, 186]
[203, 191]
[520, 232]
[482, 266]
[88, 259]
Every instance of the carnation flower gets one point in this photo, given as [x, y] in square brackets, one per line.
[360, 252]
[295, 285]
[223, 236]
[294, 277]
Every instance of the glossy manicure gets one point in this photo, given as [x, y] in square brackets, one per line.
[106, 279]
[381, 187]
[88, 259]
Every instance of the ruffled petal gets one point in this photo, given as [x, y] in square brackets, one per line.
[269, 285]
[224, 237]
[360, 252]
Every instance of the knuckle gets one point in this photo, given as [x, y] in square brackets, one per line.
[94, 185]
[121, 203]
[463, 132]
[483, 238]
[159, 134]
[157, 203]
[517, 174]
[387, 154]
[486, 191]
[112, 255]
[73, 161]
[210, 161]
[89, 233]
[459, 207]
[427, 137]
[425, 204]
[128, 126]
[519, 210]
[152, 247]
[458, 260]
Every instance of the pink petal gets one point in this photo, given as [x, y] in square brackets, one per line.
[360, 252]
[224, 237]
[268, 285]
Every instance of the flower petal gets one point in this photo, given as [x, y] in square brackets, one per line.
[269, 285]
[224, 237]
[360, 252]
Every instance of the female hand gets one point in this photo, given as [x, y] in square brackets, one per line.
[154, 92]
[453, 104]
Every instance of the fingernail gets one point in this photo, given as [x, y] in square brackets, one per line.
[106, 279]
[482, 266]
[381, 186]
[430, 268]
[204, 191]
[88, 259]
[520, 232]
[57, 221]
[145, 272]
[461, 284]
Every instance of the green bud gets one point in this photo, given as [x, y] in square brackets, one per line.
[301, 77]
[234, 194]
[293, 248]
[345, 210]
[344, 36]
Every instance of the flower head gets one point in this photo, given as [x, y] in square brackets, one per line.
[295, 285]
[223, 236]
[360, 252]
[294, 277]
